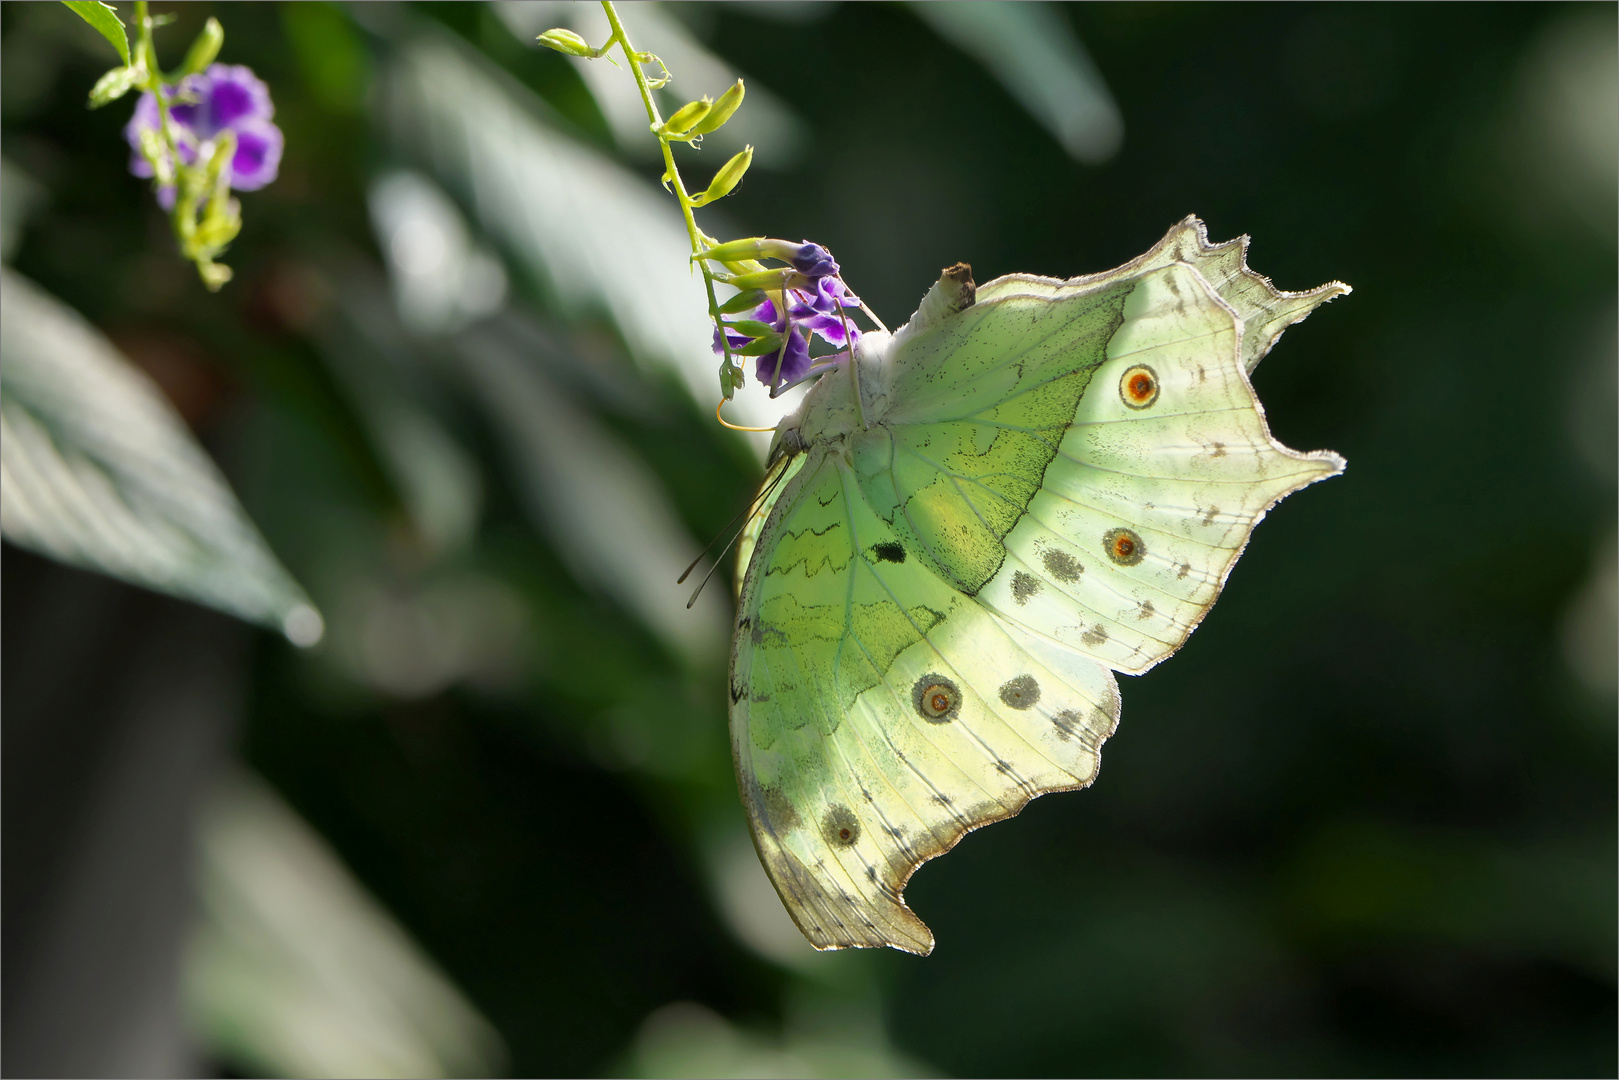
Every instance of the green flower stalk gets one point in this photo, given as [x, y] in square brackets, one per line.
[784, 306]
[198, 133]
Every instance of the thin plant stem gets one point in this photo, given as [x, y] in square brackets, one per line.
[183, 217]
[671, 171]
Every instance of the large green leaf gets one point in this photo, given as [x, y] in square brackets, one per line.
[98, 471]
[106, 21]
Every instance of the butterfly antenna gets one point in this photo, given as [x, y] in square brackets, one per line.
[870, 314]
[741, 515]
[717, 562]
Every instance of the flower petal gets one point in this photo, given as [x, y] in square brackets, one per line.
[813, 261]
[258, 154]
[144, 118]
[830, 328]
[794, 364]
[235, 95]
[738, 341]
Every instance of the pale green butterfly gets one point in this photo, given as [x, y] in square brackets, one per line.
[1041, 483]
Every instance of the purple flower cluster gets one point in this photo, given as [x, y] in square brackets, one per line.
[815, 299]
[226, 97]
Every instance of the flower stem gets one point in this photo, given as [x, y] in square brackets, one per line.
[183, 218]
[672, 173]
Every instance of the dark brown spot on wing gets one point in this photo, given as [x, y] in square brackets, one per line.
[840, 827]
[1024, 586]
[1021, 693]
[1062, 566]
[779, 809]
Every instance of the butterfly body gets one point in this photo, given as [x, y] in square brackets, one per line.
[1029, 486]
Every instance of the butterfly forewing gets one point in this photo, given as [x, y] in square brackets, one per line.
[1159, 481]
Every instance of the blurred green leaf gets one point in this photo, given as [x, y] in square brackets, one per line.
[296, 970]
[101, 473]
[106, 21]
[1034, 54]
[19, 195]
[598, 236]
[331, 56]
[1553, 897]
[603, 507]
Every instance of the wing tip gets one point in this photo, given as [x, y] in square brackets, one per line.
[1330, 464]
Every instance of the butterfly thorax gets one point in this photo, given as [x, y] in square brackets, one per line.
[828, 414]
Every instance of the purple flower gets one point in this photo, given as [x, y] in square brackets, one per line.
[795, 362]
[226, 97]
[815, 306]
[737, 341]
[813, 261]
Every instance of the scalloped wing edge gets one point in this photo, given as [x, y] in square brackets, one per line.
[781, 866]
[1263, 310]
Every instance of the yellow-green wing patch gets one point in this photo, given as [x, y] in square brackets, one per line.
[1159, 483]
[979, 409]
[879, 714]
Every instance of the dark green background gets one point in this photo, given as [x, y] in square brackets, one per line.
[1363, 824]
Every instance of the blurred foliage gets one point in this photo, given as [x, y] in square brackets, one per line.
[1362, 824]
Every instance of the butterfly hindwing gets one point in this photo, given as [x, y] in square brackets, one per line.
[881, 714]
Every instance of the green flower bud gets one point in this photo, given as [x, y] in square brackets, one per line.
[156, 155]
[775, 280]
[721, 112]
[204, 49]
[566, 41]
[743, 301]
[752, 327]
[764, 346]
[112, 86]
[733, 376]
[214, 275]
[680, 123]
[754, 247]
[726, 180]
